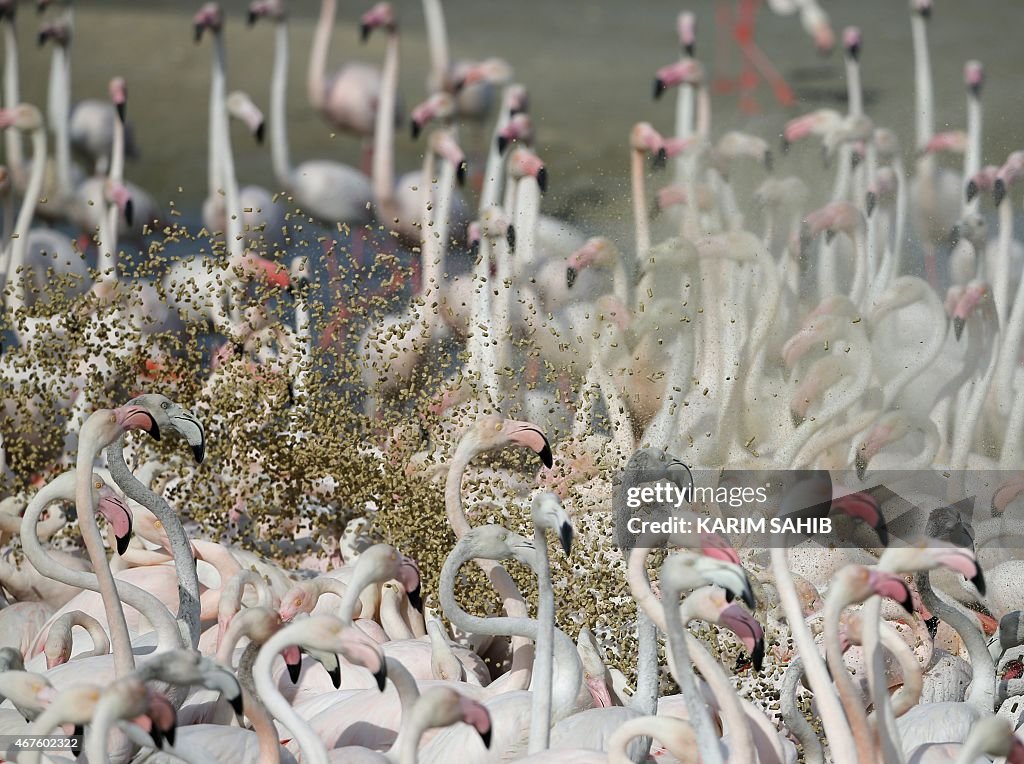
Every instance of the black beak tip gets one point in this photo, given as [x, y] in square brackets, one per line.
[798, 419]
[260, 130]
[542, 179]
[546, 457]
[570, 276]
[979, 581]
[502, 142]
[999, 191]
[460, 174]
[295, 671]
[870, 201]
[861, 464]
[129, 216]
[907, 602]
[335, 674]
[381, 677]
[748, 598]
[416, 598]
[414, 128]
[758, 655]
[197, 32]
[364, 32]
[853, 52]
[122, 544]
[41, 39]
[972, 190]
[883, 533]
[154, 429]
[510, 237]
[169, 735]
[199, 453]
[251, 18]
[660, 159]
[236, 705]
[122, 111]
[486, 737]
[659, 88]
[958, 327]
[829, 236]
[933, 626]
[565, 535]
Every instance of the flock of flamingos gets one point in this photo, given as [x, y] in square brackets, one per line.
[860, 318]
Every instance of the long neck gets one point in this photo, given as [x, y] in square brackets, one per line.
[981, 693]
[741, 742]
[409, 733]
[312, 747]
[218, 92]
[826, 439]
[434, 267]
[923, 95]
[567, 660]
[540, 721]
[794, 718]
[494, 169]
[232, 203]
[259, 718]
[854, 91]
[316, 75]
[21, 226]
[100, 640]
[700, 718]
[832, 715]
[384, 135]
[88, 447]
[684, 127]
[848, 693]
[108, 233]
[527, 216]
[12, 97]
[967, 421]
[59, 105]
[437, 42]
[181, 548]
[649, 726]
[972, 157]
[641, 224]
[278, 107]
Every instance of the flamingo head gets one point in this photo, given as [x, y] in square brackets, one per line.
[266, 9]
[443, 143]
[58, 31]
[893, 426]
[644, 139]
[528, 435]
[747, 630]
[519, 129]
[973, 296]
[852, 39]
[116, 512]
[863, 506]
[523, 162]
[495, 71]
[438, 106]
[380, 16]
[686, 28]
[974, 77]
[686, 71]
[23, 117]
[952, 141]
[119, 96]
[211, 17]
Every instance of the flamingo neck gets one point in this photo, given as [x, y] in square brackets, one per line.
[412, 728]
[58, 111]
[278, 105]
[181, 549]
[832, 715]
[437, 43]
[316, 75]
[494, 170]
[684, 127]
[543, 664]
[566, 682]
[218, 92]
[24, 221]
[527, 216]
[923, 93]
[854, 91]
[642, 226]
[972, 157]
[383, 169]
[434, 267]
[935, 343]
[313, 749]
[12, 97]
[848, 693]
[981, 693]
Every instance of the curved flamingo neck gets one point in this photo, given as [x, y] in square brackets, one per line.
[189, 604]
[410, 732]
[316, 75]
[570, 674]
[848, 694]
[24, 220]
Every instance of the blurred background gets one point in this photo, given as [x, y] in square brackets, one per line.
[589, 67]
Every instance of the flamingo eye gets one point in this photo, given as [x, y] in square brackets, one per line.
[97, 485]
[158, 525]
[165, 405]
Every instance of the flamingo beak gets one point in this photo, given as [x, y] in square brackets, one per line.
[659, 88]
[542, 179]
[335, 674]
[598, 689]
[999, 191]
[571, 274]
[565, 534]
[293, 660]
